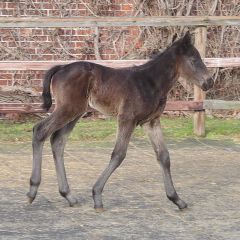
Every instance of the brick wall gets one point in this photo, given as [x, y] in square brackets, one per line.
[41, 44]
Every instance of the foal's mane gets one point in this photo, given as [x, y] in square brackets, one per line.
[157, 58]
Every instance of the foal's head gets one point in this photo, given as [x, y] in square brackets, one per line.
[191, 65]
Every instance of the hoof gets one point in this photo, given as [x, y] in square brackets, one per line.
[182, 205]
[30, 198]
[99, 210]
[73, 204]
[72, 200]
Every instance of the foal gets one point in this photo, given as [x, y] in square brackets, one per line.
[135, 95]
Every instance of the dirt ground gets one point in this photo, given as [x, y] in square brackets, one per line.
[206, 176]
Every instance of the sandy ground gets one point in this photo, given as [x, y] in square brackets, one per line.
[206, 176]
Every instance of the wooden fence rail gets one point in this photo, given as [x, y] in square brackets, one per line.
[48, 22]
[44, 65]
[170, 106]
[36, 107]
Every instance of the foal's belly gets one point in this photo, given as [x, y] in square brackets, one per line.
[103, 107]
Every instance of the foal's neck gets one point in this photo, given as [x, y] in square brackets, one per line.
[164, 70]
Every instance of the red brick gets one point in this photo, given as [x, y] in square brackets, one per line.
[55, 45]
[26, 31]
[2, 5]
[6, 12]
[3, 82]
[118, 13]
[37, 6]
[39, 75]
[91, 57]
[105, 57]
[68, 32]
[12, 44]
[47, 6]
[40, 38]
[45, 31]
[5, 76]
[37, 32]
[36, 57]
[22, 12]
[73, 6]
[134, 31]
[17, 76]
[127, 7]
[24, 44]
[47, 57]
[115, 7]
[79, 50]
[108, 51]
[83, 32]
[71, 44]
[11, 5]
[30, 51]
[57, 57]
[34, 12]
[7, 38]
[55, 12]
[118, 1]
[44, 12]
[4, 31]
[79, 44]
[36, 82]
[139, 44]
[81, 6]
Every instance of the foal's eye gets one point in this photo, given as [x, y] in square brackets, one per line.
[193, 62]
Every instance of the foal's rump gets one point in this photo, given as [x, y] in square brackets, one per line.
[70, 85]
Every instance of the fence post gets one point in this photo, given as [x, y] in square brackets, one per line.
[199, 95]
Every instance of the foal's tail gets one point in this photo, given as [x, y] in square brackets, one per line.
[46, 94]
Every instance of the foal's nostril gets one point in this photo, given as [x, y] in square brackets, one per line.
[210, 82]
[204, 86]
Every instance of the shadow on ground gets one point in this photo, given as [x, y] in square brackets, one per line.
[206, 175]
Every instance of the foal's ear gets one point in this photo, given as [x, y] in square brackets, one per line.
[187, 40]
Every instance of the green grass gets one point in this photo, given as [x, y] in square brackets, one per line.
[104, 130]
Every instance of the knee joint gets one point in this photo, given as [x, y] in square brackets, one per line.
[164, 159]
[118, 157]
[55, 140]
[38, 134]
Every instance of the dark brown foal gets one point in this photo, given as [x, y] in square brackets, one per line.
[136, 96]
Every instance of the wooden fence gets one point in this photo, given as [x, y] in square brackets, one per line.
[201, 22]
[43, 22]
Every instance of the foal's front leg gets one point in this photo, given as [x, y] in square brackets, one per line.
[154, 131]
[125, 129]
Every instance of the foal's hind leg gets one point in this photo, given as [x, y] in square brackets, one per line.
[156, 137]
[41, 131]
[125, 129]
[58, 141]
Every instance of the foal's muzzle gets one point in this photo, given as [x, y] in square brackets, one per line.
[208, 84]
